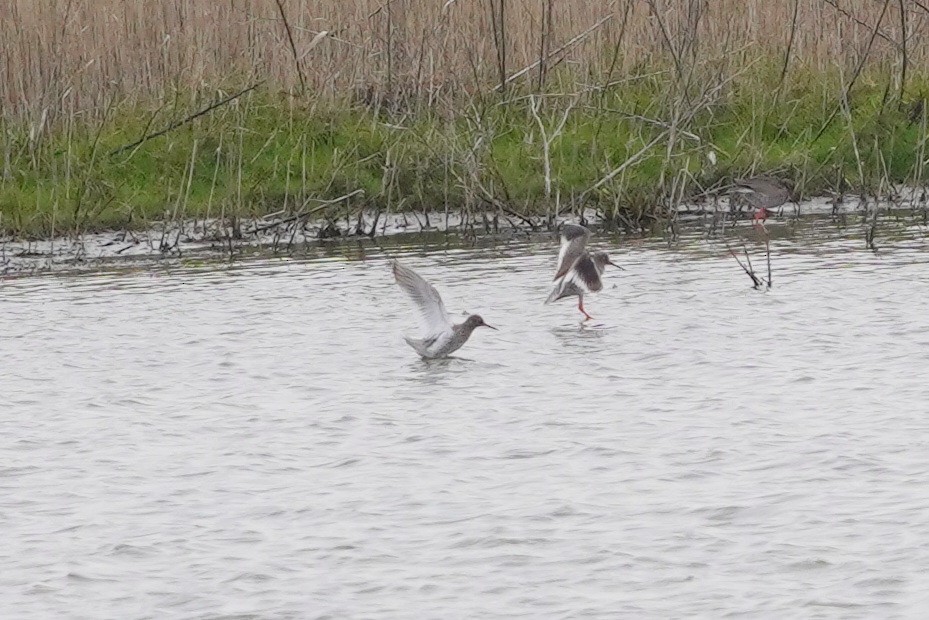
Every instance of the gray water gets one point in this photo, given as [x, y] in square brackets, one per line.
[257, 440]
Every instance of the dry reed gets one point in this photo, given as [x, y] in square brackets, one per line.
[74, 56]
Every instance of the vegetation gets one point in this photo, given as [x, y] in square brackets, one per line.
[525, 108]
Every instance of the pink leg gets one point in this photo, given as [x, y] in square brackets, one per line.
[580, 306]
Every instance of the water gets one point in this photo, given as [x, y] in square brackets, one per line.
[256, 440]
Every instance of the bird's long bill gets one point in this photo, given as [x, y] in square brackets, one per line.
[491, 327]
[615, 265]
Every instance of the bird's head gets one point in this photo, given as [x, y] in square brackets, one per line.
[474, 321]
[602, 259]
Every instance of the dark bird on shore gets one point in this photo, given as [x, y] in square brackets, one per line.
[441, 337]
[762, 193]
[578, 270]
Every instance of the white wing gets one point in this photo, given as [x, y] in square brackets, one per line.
[557, 290]
[573, 240]
[585, 275]
[581, 279]
[432, 311]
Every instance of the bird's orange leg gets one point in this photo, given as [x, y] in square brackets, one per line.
[758, 220]
[580, 306]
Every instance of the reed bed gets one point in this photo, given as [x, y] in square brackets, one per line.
[116, 113]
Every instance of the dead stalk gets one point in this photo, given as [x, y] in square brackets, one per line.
[767, 249]
[571, 43]
[184, 121]
[545, 42]
[756, 281]
[856, 74]
[549, 138]
[790, 47]
[498, 26]
[293, 46]
[904, 60]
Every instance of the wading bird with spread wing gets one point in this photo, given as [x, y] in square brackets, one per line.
[442, 337]
[578, 271]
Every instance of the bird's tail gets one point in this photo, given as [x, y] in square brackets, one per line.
[555, 295]
[419, 345]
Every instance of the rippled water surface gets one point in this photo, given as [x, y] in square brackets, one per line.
[257, 440]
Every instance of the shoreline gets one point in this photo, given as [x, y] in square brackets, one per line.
[214, 240]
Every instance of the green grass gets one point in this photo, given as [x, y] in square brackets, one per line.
[268, 152]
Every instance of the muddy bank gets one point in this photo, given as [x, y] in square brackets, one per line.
[203, 240]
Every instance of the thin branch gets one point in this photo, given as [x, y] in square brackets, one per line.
[858, 69]
[767, 247]
[650, 121]
[195, 115]
[667, 39]
[748, 259]
[756, 281]
[695, 109]
[548, 139]
[305, 214]
[293, 46]
[613, 173]
[836, 6]
[617, 47]
[903, 53]
[499, 32]
[545, 41]
[790, 47]
[577, 39]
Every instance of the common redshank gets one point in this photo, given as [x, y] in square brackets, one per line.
[442, 337]
[762, 193]
[578, 271]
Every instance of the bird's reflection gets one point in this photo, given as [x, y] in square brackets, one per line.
[580, 337]
[438, 371]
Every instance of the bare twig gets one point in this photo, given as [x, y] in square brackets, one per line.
[767, 248]
[903, 54]
[748, 259]
[617, 47]
[293, 46]
[756, 281]
[851, 83]
[790, 47]
[651, 121]
[548, 139]
[305, 214]
[881, 35]
[613, 173]
[497, 15]
[545, 41]
[322, 34]
[694, 110]
[180, 123]
[675, 56]
[569, 44]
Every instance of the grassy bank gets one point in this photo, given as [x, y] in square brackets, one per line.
[523, 109]
[628, 151]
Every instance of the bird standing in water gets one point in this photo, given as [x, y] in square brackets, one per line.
[442, 337]
[578, 270]
[762, 194]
